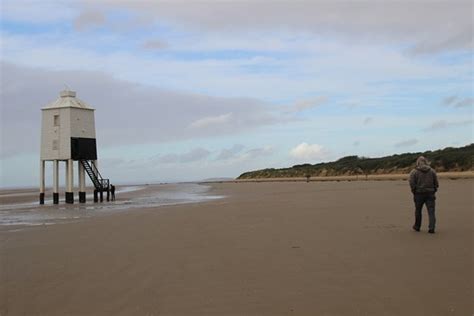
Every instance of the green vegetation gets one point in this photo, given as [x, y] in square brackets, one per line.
[448, 159]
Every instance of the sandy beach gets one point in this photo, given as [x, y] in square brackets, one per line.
[283, 248]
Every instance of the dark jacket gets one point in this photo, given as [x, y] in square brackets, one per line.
[423, 180]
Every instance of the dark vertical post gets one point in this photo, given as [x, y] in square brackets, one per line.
[101, 195]
[82, 197]
[70, 197]
[41, 198]
[96, 198]
[55, 198]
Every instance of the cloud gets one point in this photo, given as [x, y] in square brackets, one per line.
[367, 120]
[425, 29]
[33, 11]
[432, 28]
[126, 113]
[449, 100]
[444, 124]
[305, 151]
[196, 62]
[89, 19]
[236, 153]
[229, 153]
[462, 40]
[168, 158]
[258, 152]
[406, 143]
[456, 102]
[309, 104]
[211, 121]
[464, 103]
[154, 45]
[196, 154]
[422, 26]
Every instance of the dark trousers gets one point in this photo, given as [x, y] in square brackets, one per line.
[429, 200]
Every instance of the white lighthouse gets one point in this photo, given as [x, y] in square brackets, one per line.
[68, 135]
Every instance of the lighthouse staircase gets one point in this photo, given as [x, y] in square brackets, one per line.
[101, 185]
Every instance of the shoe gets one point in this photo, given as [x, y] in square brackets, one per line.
[416, 228]
[431, 231]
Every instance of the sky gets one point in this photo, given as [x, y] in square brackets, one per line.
[190, 90]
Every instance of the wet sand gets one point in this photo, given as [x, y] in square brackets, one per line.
[319, 248]
[21, 210]
[30, 195]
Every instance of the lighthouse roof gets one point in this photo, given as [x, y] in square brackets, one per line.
[67, 98]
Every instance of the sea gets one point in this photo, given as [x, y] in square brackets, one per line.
[14, 216]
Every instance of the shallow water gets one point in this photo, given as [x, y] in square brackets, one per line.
[49, 200]
[32, 214]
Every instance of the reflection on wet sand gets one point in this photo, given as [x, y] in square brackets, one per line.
[130, 197]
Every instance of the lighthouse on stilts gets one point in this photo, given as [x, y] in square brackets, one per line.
[68, 135]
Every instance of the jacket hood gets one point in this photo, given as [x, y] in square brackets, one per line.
[425, 168]
[422, 164]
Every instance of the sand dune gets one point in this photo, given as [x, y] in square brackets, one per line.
[370, 177]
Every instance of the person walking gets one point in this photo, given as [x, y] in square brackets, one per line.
[112, 191]
[424, 185]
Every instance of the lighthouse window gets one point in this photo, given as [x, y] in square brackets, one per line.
[55, 144]
[56, 120]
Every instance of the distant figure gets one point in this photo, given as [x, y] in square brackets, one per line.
[424, 184]
[112, 191]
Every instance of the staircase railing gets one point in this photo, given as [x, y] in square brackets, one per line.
[100, 183]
